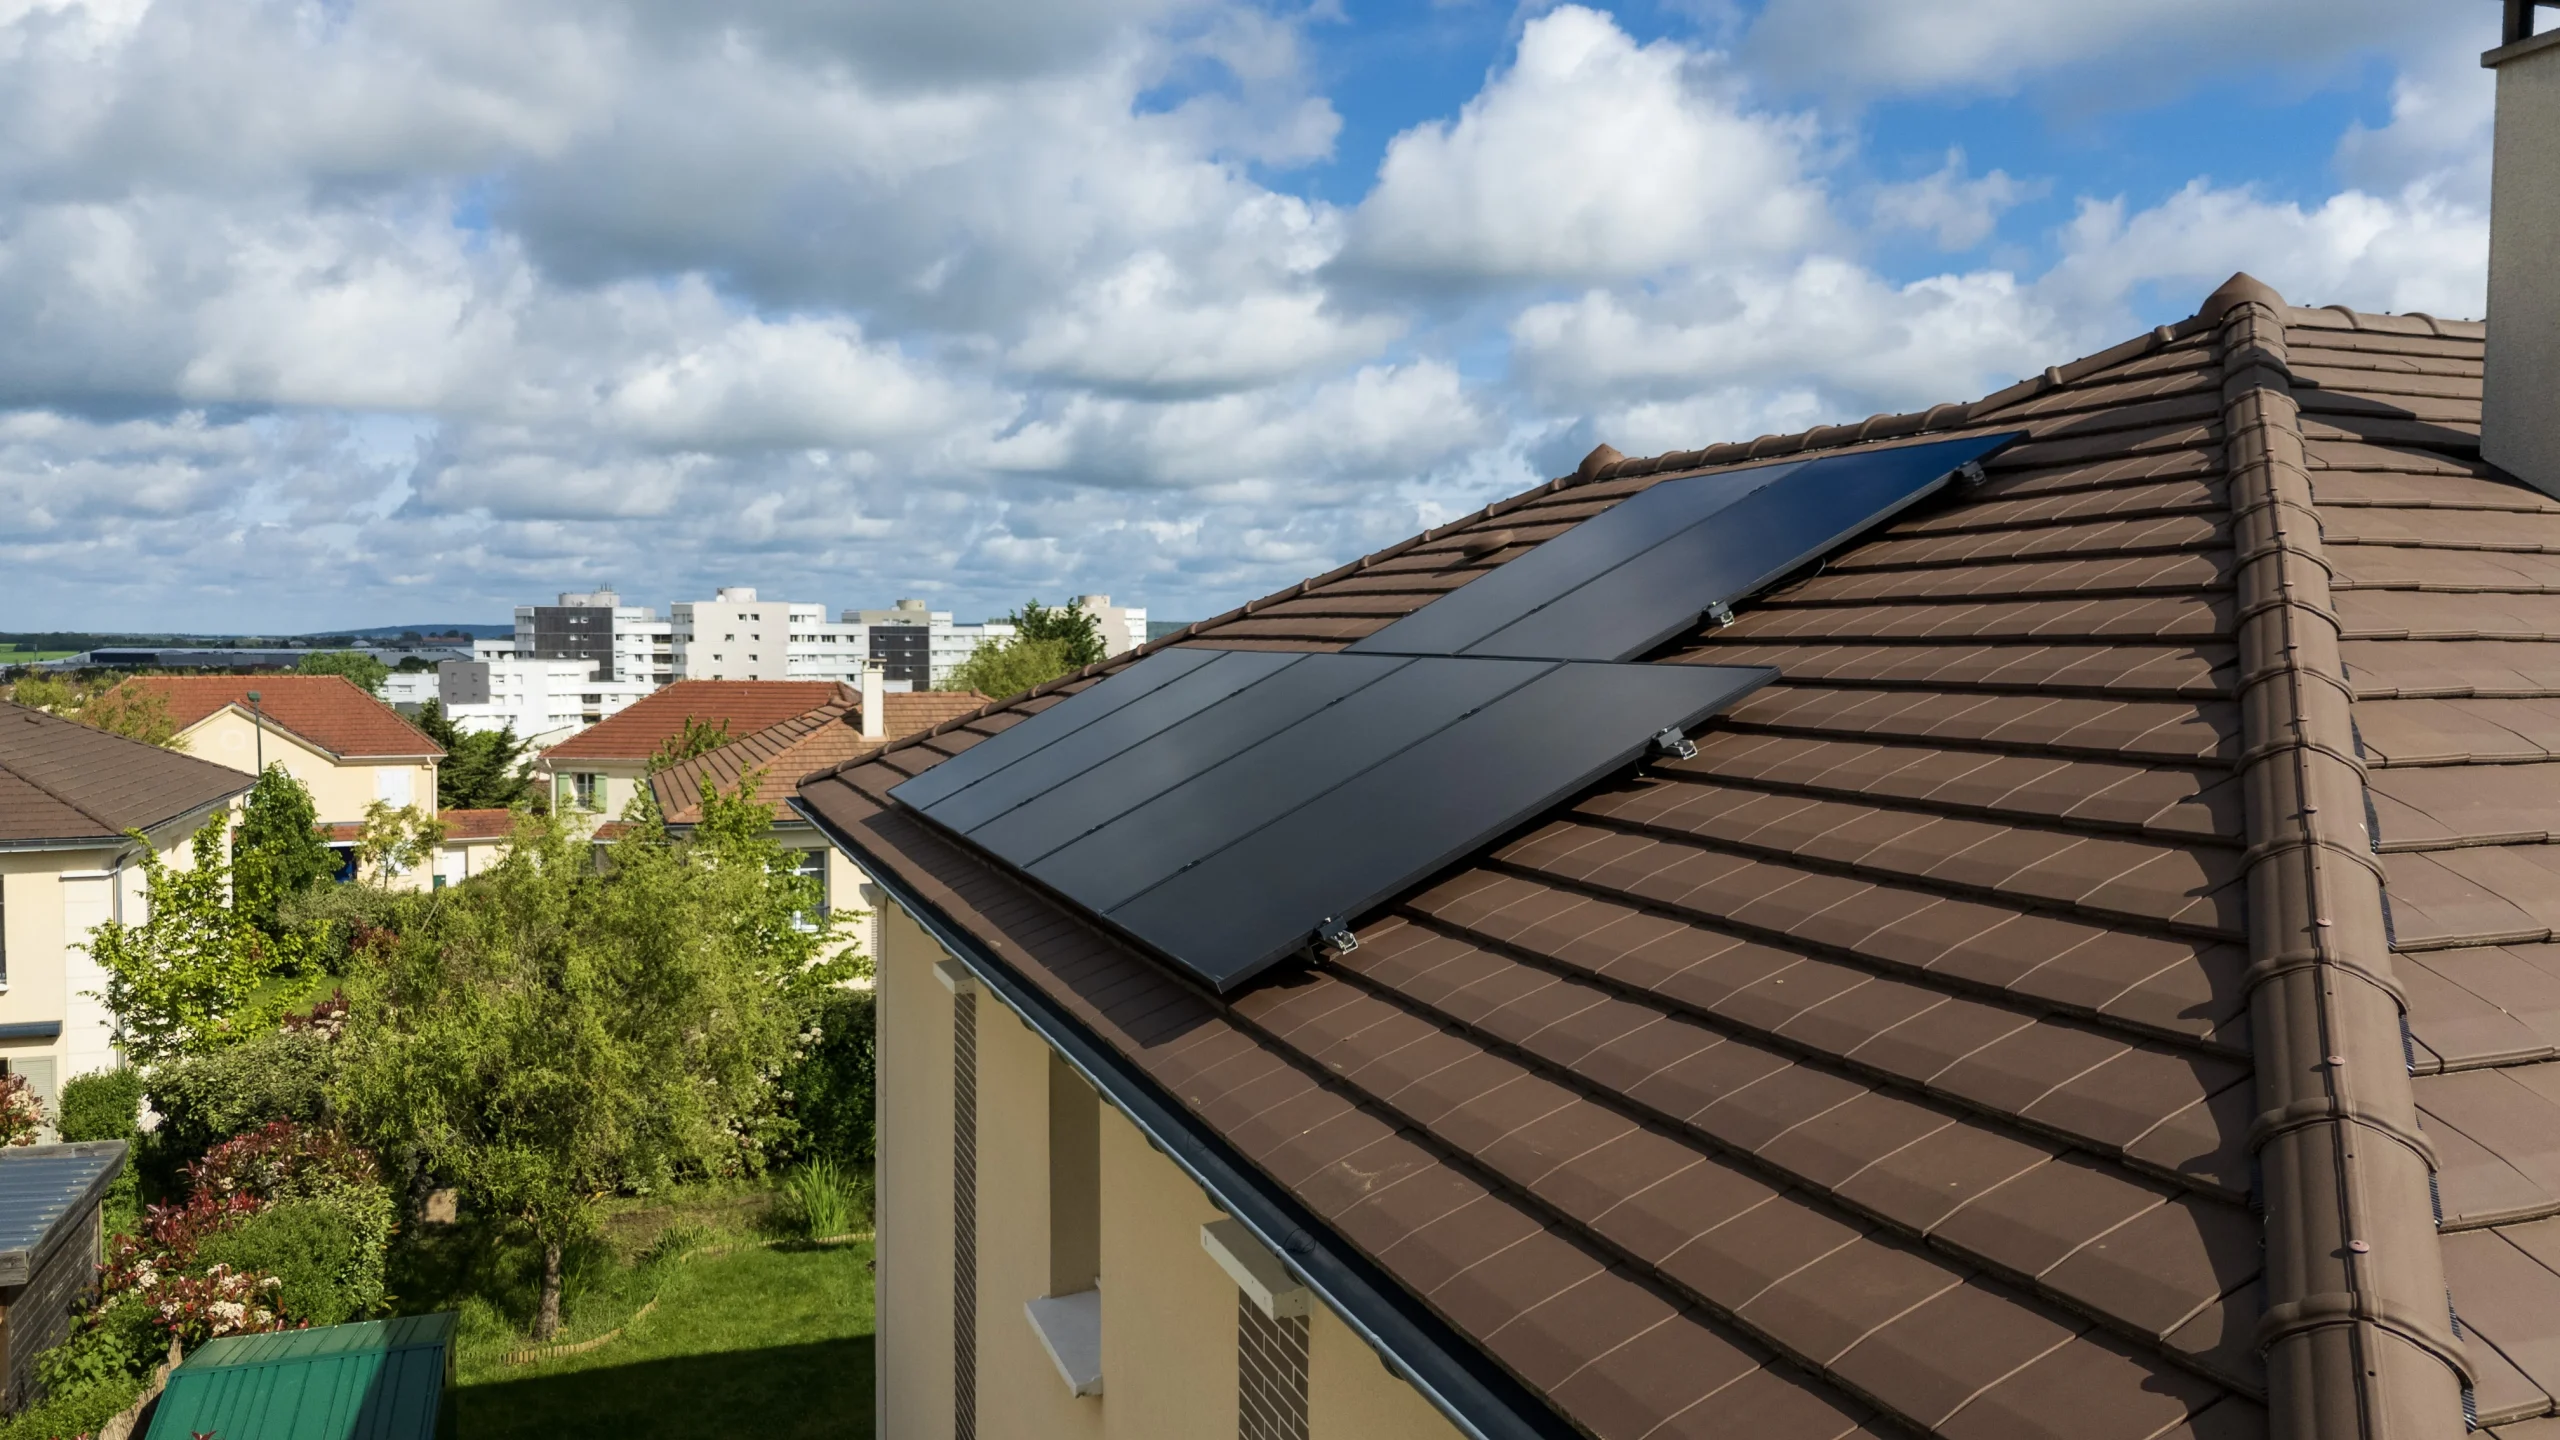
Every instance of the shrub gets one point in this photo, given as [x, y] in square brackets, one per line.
[829, 1088]
[203, 1099]
[327, 1266]
[103, 1105]
[21, 1112]
[821, 1201]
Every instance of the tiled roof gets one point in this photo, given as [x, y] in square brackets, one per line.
[477, 824]
[1922, 1057]
[820, 739]
[330, 711]
[746, 706]
[61, 780]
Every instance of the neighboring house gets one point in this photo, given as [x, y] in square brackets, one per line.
[346, 747]
[599, 769]
[1995, 1029]
[778, 755]
[68, 795]
[473, 841]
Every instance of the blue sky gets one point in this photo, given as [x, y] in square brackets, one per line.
[411, 310]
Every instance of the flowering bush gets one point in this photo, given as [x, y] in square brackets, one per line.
[21, 1113]
[328, 1019]
[195, 1308]
[281, 1159]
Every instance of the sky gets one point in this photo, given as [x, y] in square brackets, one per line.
[359, 312]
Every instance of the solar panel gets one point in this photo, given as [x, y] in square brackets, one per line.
[1637, 574]
[1300, 790]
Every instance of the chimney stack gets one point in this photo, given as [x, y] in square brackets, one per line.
[2520, 392]
[875, 701]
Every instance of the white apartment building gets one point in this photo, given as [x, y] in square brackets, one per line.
[918, 661]
[619, 642]
[1123, 627]
[740, 636]
[545, 700]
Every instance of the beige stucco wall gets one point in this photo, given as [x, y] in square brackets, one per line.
[620, 786]
[340, 788]
[1169, 1312]
[49, 901]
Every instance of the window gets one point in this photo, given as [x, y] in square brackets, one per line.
[590, 789]
[811, 865]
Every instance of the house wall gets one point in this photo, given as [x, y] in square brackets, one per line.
[620, 785]
[49, 902]
[1169, 1326]
[459, 860]
[340, 788]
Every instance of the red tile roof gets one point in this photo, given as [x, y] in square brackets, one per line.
[746, 706]
[477, 824]
[61, 780]
[1895, 1063]
[821, 739]
[328, 710]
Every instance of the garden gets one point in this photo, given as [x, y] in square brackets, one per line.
[610, 1103]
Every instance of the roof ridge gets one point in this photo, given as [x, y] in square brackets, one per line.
[2357, 1331]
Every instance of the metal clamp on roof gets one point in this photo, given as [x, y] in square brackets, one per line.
[1670, 741]
[1971, 473]
[1333, 935]
[1719, 614]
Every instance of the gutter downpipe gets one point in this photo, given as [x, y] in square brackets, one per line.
[1481, 1400]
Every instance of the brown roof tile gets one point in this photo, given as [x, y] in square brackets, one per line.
[745, 706]
[63, 781]
[327, 710]
[826, 735]
[1905, 1031]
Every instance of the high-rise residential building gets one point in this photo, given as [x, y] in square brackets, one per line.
[1123, 627]
[918, 647]
[619, 642]
[740, 636]
[545, 700]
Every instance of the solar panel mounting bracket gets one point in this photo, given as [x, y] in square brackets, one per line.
[1670, 741]
[1719, 614]
[1331, 934]
[1971, 473]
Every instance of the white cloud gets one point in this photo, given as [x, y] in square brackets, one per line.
[1590, 158]
[1957, 209]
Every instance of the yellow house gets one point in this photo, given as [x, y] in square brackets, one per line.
[346, 747]
[600, 769]
[68, 794]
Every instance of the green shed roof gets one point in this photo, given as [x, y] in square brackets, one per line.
[373, 1380]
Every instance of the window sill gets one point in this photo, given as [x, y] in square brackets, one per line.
[1070, 1329]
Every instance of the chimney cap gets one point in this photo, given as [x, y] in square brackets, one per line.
[2241, 289]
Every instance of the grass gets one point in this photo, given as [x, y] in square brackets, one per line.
[750, 1336]
[12, 655]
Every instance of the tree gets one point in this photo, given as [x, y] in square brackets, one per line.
[1077, 631]
[365, 671]
[136, 712]
[279, 851]
[555, 1030]
[183, 980]
[49, 693]
[1009, 667]
[395, 841]
[482, 769]
[699, 737]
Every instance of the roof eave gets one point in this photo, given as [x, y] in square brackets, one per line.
[104, 839]
[1460, 1380]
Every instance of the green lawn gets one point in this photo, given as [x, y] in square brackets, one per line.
[756, 1342]
[750, 1336]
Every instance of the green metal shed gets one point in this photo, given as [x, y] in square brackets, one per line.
[373, 1380]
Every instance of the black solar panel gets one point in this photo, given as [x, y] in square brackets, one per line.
[1299, 789]
[1635, 575]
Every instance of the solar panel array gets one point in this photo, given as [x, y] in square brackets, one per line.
[1229, 808]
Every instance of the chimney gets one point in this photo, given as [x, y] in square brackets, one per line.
[2520, 393]
[875, 701]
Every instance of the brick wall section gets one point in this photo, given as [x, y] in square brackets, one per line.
[1271, 1374]
[2357, 1331]
[964, 1216]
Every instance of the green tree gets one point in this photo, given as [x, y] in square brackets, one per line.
[184, 980]
[1075, 629]
[482, 769]
[699, 737]
[557, 1030]
[136, 712]
[997, 669]
[279, 850]
[395, 841]
[366, 671]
